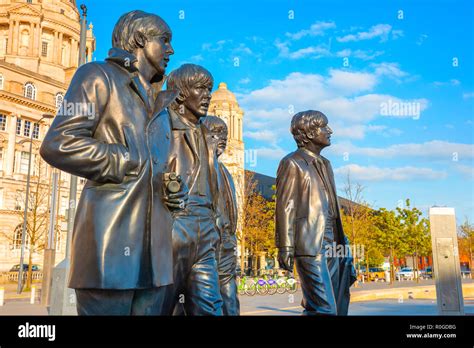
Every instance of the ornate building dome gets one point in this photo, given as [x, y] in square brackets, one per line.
[222, 94]
[224, 105]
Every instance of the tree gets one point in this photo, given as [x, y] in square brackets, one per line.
[389, 236]
[258, 230]
[357, 221]
[415, 232]
[465, 238]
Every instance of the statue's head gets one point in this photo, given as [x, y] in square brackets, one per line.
[194, 84]
[138, 30]
[311, 127]
[218, 129]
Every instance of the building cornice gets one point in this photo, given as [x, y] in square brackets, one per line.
[31, 74]
[32, 104]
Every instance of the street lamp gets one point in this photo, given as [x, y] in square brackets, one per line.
[25, 215]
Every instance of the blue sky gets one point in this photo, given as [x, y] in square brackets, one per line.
[355, 61]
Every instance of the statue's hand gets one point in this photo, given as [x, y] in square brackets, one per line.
[286, 256]
[178, 200]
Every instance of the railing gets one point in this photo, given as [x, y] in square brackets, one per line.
[11, 277]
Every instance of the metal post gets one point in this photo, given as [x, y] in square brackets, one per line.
[62, 297]
[50, 250]
[25, 217]
[447, 271]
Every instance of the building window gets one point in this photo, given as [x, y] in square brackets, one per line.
[1, 81]
[24, 158]
[3, 122]
[30, 91]
[58, 240]
[59, 100]
[63, 206]
[44, 49]
[17, 234]
[18, 126]
[36, 131]
[27, 128]
[29, 1]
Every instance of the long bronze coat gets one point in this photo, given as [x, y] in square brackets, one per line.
[179, 144]
[302, 206]
[122, 229]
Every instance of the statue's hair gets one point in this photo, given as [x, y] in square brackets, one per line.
[187, 76]
[132, 22]
[213, 123]
[304, 122]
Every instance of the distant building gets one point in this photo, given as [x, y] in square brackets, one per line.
[265, 185]
[39, 46]
[224, 105]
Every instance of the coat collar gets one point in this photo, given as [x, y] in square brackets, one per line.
[126, 61]
[309, 156]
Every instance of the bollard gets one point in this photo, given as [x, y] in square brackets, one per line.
[33, 293]
[2, 296]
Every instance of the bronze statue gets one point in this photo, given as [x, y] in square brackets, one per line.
[195, 236]
[226, 220]
[121, 262]
[308, 219]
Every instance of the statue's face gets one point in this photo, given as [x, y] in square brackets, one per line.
[158, 49]
[198, 99]
[220, 134]
[323, 138]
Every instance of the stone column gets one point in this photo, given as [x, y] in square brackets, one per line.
[16, 35]
[447, 272]
[55, 48]
[39, 42]
[35, 40]
[60, 49]
[31, 40]
[73, 56]
[10, 156]
[10, 37]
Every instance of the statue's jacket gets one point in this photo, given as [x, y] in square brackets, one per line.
[122, 230]
[302, 205]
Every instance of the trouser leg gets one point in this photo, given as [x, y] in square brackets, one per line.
[316, 284]
[203, 292]
[184, 253]
[227, 264]
[152, 301]
[104, 302]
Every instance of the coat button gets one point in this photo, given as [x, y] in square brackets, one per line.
[155, 160]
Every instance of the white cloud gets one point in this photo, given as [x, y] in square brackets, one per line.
[316, 29]
[435, 149]
[341, 95]
[218, 46]
[244, 81]
[263, 135]
[389, 69]
[421, 39]
[359, 54]
[374, 173]
[274, 153]
[197, 58]
[314, 51]
[452, 82]
[351, 82]
[242, 48]
[468, 95]
[377, 31]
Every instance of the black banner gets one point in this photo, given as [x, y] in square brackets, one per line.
[247, 330]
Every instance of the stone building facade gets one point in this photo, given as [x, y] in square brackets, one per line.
[39, 51]
[224, 105]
